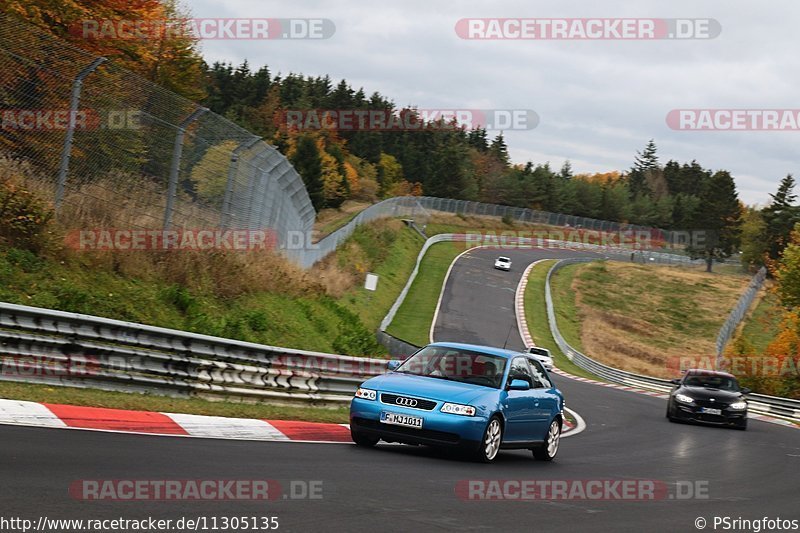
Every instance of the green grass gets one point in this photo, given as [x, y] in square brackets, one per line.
[763, 324]
[536, 316]
[335, 224]
[393, 272]
[309, 321]
[146, 402]
[412, 323]
[564, 302]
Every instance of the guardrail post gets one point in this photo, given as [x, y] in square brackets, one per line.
[66, 150]
[226, 217]
[177, 152]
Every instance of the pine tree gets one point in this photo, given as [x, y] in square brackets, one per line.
[499, 149]
[718, 217]
[645, 161]
[781, 216]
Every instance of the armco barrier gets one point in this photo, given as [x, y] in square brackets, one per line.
[759, 403]
[59, 348]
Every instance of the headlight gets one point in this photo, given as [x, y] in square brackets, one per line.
[739, 405]
[366, 394]
[683, 398]
[457, 409]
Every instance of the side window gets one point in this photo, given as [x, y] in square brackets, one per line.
[539, 373]
[521, 370]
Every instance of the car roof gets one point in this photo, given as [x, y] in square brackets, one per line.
[489, 350]
[702, 372]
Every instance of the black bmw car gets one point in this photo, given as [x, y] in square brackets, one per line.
[710, 397]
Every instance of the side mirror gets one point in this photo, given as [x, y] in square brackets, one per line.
[675, 381]
[745, 390]
[519, 384]
[393, 364]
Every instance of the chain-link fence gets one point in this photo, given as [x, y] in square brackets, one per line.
[422, 207]
[114, 150]
[739, 312]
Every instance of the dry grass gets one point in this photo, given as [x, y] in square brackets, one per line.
[641, 318]
[120, 201]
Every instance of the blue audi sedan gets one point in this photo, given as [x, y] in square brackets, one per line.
[475, 398]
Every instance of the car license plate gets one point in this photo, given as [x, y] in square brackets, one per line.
[710, 411]
[401, 420]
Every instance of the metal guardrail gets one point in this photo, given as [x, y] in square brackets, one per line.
[59, 348]
[759, 403]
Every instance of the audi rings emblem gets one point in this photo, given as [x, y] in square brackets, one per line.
[406, 402]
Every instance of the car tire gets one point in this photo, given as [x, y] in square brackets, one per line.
[548, 451]
[669, 413]
[742, 426]
[365, 441]
[489, 446]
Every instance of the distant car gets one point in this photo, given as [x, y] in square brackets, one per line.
[503, 263]
[475, 398]
[709, 397]
[542, 355]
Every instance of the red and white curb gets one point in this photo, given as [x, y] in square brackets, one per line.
[524, 332]
[47, 415]
[22, 413]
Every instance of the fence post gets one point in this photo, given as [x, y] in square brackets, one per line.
[226, 215]
[73, 110]
[177, 152]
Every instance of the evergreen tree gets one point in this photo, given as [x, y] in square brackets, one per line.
[499, 149]
[718, 217]
[645, 161]
[781, 216]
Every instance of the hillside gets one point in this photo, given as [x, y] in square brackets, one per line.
[644, 318]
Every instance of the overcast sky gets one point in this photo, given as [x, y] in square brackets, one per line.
[598, 101]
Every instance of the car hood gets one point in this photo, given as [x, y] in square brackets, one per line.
[702, 393]
[425, 387]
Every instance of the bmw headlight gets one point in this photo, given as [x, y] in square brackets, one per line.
[366, 394]
[458, 409]
[683, 398]
[739, 405]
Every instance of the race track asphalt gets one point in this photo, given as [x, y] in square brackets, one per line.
[751, 475]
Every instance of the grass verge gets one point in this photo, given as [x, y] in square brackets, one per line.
[536, 317]
[412, 323]
[147, 402]
[643, 318]
[763, 323]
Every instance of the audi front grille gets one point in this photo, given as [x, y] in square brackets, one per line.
[406, 401]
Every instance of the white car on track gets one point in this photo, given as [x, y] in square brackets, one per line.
[542, 355]
[503, 263]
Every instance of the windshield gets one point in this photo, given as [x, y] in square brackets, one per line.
[712, 382]
[504, 259]
[456, 365]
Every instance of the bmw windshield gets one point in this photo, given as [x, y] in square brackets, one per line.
[456, 365]
[712, 382]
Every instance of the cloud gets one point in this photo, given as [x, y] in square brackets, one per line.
[598, 101]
